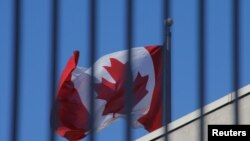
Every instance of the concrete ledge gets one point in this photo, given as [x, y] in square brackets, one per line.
[196, 114]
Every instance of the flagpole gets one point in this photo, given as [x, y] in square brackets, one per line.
[166, 83]
[168, 24]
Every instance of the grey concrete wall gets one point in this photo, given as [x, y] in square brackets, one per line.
[219, 112]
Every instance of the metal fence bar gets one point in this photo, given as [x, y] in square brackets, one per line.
[92, 35]
[16, 69]
[129, 77]
[236, 58]
[54, 63]
[166, 66]
[202, 63]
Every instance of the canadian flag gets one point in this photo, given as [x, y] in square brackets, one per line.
[73, 96]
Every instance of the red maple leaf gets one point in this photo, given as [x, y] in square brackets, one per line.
[114, 93]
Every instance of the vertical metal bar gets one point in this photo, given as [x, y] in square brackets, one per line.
[202, 63]
[129, 77]
[166, 82]
[236, 59]
[92, 35]
[54, 62]
[16, 69]
[166, 63]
